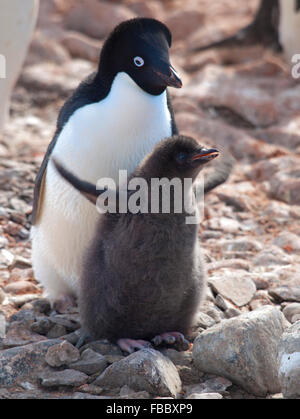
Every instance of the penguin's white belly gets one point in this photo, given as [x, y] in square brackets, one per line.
[289, 28]
[99, 140]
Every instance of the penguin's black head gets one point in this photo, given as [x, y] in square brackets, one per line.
[178, 157]
[140, 48]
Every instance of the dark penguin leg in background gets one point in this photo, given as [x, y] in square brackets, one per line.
[262, 30]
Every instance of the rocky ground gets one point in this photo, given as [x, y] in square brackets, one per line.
[243, 101]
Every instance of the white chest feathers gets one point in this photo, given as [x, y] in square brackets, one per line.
[115, 133]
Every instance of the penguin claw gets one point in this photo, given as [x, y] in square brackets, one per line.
[130, 345]
[157, 340]
[169, 338]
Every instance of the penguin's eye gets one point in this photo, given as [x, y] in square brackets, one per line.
[138, 61]
[181, 158]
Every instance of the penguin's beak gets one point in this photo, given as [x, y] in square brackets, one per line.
[205, 155]
[171, 79]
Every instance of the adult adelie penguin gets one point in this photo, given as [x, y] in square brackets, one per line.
[112, 121]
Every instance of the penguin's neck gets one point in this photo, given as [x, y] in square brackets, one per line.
[114, 133]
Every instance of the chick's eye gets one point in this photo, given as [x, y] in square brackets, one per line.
[138, 61]
[181, 157]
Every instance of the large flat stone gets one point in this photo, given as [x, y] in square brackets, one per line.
[145, 370]
[244, 350]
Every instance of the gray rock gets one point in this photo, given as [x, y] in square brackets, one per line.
[145, 370]
[69, 378]
[110, 359]
[91, 389]
[6, 258]
[285, 187]
[127, 393]
[85, 396]
[227, 225]
[2, 295]
[272, 255]
[205, 396]
[69, 321]
[26, 317]
[54, 326]
[3, 242]
[178, 358]
[189, 374]
[232, 312]
[18, 332]
[23, 363]
[2, 325]
[62, 354]
[90, 363]
[203, 320]
[57, 331]
[265, 280]
[244, 350]
[289, 362]
[42, 305]
[241, 245]
[103, 347]
[222, 303]
[42, 326]
[289, 242]
[212, 311]
[286, 293]
[230, 264]
[20, 300]
[213, 385]
[292, 312]
[237, 288]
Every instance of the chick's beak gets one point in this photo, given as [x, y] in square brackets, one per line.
[171, 79]
[206, 155]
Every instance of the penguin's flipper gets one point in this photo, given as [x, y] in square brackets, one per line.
[40, 184]
[87, 189]
[219, 176]
[172, 113]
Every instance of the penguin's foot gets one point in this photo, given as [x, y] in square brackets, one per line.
[64, 304]
[171, 338]
[130, 345]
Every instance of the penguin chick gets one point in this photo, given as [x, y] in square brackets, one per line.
[143, 276]
[110, 123]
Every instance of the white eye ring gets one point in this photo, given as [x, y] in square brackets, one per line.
[138, 61]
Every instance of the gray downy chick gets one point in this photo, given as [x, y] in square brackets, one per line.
[143, 277]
